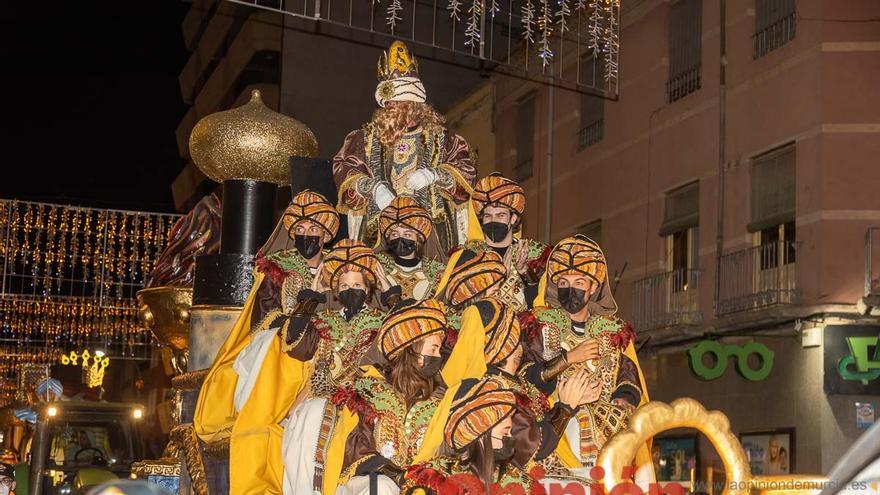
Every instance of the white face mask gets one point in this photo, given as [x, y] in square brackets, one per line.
[4, 490]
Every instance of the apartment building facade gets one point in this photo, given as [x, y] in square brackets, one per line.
[779, 158]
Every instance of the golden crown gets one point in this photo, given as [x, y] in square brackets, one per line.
[397, 62]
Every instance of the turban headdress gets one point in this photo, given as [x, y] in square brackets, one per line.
[405, 211]
[313, 207]
[473, 274]
[497, 189]
[479, 409]
[407, 326]
[502, 333]
[577, 255]
[349, 255]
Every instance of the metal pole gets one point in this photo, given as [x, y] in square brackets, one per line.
[548, 207]
[722, 108]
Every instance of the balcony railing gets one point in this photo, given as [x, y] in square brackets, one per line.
[872, 262]
[775, 35]
[590, 135]
[758, 277]
[668, 299]
[682, 84]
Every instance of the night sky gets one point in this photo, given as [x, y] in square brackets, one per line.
[91, 102]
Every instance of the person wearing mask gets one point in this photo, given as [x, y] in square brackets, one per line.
[405, 228]
[537, 424]
[482, 451]
[401, 403]
[496, 211]
[331, 343]
[580, 332]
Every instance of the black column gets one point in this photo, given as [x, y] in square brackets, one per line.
[247, 215]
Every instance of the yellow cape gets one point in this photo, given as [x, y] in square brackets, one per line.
[255, 464]
[466, 361]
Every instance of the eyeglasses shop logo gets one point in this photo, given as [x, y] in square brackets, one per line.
[861, 364]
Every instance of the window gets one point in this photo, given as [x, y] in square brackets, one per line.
[592, 230]
[775, 24]
[777, 245]
[773, 207]
[681, 229]
[525, 138]
[773, 188]
[685, 48]
[592, 107]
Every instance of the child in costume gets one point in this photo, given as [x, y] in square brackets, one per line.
[479, 433]
[289, 262]
[474, 276]
[405, 228]
[580, 332]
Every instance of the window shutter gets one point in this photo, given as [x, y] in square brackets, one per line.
[682, 209]
[685, 48]
[773, 188]
[593, 230]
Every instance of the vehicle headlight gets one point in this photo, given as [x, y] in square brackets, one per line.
[137, 413]
[52, 411]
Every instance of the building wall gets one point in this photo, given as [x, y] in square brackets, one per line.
[473, 117]
[235, 49]
[815, 91]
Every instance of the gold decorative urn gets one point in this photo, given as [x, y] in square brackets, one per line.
[165, 311]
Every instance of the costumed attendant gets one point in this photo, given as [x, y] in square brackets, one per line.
[474, 276]
[405, 150]
[479, 431]
[537, 425]
[402, 406]
[498, 205]
[405, 228]
[576, 312]
[252, 384]
[332, 343]
[289, 260]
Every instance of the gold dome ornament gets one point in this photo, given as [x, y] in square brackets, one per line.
[249, 142]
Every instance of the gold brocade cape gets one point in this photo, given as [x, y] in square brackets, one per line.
[564, 450]
[466, 361]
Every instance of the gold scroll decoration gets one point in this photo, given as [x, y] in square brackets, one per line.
[656, 417]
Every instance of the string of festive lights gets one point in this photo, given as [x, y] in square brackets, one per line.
[70, 277]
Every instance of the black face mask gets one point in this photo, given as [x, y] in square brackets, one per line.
[571, 299]
[496, 231]
[506, 451]
[430, 366]
[307, 245]
[402, 247]
[353, 300]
